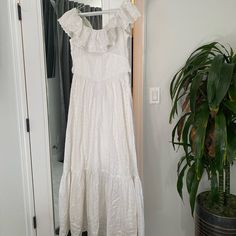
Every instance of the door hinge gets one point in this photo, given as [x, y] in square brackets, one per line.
[27, 125]
[34, 222]
[19, 11]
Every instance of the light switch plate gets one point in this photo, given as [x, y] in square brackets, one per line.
[154, 95]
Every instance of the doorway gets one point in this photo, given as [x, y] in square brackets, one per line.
[49, 95]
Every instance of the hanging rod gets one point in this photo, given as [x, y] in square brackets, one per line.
[95, 13]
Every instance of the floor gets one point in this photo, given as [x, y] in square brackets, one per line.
[57, 168]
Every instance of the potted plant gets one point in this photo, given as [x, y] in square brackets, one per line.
[204, 89]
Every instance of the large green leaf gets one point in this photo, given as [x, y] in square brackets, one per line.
[193, 64]
[190, 177]
[198, 60]
[221, 49]
[180, 163]
[220, 140]
[198, 65]
[213, 79]
[179, 123]
[232, 93]
[176, 77]
[231, 105]
[234, 58]
[174, 109]
[222, 86]
[219, 80]
[200, 125]
[194, 188]
[188, 72]
[234, 77]
[204, 47]
[231, 54]
[179, 91]
[183, 160]
[185, 134]
[196, 82]
[180, 181]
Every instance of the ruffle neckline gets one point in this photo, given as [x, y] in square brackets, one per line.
[98, 40]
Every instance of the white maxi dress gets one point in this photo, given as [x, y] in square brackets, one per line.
[100, 190]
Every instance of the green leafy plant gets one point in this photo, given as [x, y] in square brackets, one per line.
[204, 91]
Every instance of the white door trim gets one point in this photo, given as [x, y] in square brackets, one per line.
[138, 77]
[22, 111]
[35, 72]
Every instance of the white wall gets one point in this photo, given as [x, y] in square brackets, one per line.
[12, 205]
[174, 28]
[95, 3]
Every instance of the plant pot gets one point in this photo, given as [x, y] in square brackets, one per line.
[211, 224]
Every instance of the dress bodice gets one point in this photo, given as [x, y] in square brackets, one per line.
[100, 54]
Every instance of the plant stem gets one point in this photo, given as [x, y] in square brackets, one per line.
[221, 189]
[227, 182]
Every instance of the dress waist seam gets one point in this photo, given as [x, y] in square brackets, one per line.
[121, 76]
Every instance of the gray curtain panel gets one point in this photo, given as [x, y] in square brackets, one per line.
[59, 62]
[49, 27]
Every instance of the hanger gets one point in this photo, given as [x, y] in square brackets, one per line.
[95, 13]
[80, 6]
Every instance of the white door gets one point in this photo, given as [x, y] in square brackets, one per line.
[35, 74]
[16, 193]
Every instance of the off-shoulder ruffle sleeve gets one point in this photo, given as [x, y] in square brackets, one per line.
[128, 13]
[71, 22]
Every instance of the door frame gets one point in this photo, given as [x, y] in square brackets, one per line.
[18, 68]
[138, 78]
[36, 87]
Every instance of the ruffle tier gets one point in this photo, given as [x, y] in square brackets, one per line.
[116, 210]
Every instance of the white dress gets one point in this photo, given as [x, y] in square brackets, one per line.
[100, 190]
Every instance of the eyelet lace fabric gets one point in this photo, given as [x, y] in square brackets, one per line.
[100, 190]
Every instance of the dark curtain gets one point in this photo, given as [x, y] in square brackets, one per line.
[49, 26]
[59, 62]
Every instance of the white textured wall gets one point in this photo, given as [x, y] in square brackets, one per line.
[95, 3]
[12, 206]
[174, 28]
